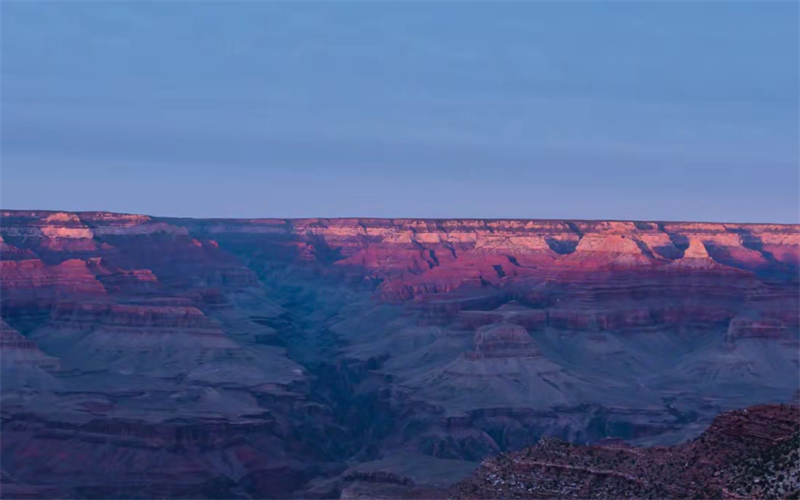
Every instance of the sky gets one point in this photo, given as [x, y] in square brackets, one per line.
[582, 110]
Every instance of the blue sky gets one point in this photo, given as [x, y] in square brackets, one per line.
[621, 110]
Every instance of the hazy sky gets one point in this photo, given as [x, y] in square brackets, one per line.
[623, 110]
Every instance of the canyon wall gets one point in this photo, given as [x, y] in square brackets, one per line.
[321, 357]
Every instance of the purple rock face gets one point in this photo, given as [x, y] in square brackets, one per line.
[149, 357]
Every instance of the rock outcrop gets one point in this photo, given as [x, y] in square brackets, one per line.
[503, 340]
[750, 453]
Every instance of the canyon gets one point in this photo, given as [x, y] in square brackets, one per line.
[163, 357]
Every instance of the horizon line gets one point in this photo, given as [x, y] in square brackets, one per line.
[564, 219]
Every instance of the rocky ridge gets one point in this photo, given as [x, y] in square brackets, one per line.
[749, 453]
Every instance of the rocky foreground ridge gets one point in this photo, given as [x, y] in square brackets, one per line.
[186, 358]
[748, 453]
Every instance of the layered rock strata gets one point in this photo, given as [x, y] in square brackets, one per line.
[319, 357]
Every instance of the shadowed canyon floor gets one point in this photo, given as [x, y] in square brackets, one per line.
[149, 357]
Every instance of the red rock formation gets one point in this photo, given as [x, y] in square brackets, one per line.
[609, 252]
[71, 276]
[244, 358]
[10, 252]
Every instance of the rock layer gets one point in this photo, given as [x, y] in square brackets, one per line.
[320, 357]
